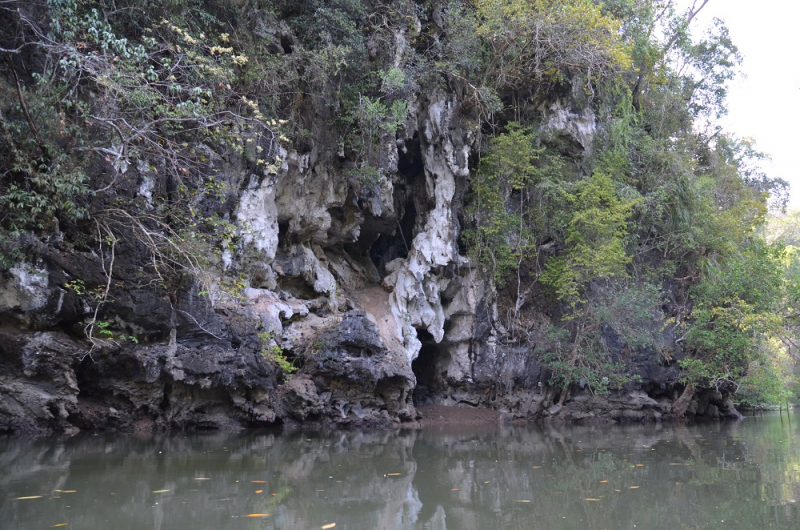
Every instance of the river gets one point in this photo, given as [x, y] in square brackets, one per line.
[743, 475]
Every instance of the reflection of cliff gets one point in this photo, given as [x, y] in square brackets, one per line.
[428, 479]
[313, 479]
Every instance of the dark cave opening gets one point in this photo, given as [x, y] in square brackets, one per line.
[394, 244]
[407, 224]
[283, 233]
[386, 237]
[394, 241]
[410, 158]
[424, 368]
[386, 248]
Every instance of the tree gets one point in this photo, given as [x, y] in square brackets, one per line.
[736, 308]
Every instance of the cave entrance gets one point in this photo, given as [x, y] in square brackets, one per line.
[387, 231]
[386, 238]
[429, 386]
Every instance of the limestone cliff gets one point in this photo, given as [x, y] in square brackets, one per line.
[362, 283]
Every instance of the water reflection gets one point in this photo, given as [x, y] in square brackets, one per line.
[733, 475]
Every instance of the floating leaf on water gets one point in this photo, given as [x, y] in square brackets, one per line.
[325, 527]
[160, 491]
[257, 515]
[591, 499]
[26, 498]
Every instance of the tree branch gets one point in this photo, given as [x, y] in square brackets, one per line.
[25, 111]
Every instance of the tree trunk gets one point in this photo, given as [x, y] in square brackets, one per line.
[682, 403]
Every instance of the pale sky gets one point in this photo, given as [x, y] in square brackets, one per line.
[766, 105]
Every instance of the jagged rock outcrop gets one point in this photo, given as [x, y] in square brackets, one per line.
[416, 285]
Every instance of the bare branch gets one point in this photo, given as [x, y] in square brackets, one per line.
[25, 111]
[200, 325]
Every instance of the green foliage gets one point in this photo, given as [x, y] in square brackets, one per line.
[633, 311]
[104, 333]
[322, 24]
[503, 233]
[77, 286]
[271, 351]
[491, 50]
[769, 377]
[595, 239]
[659, 198]
[155, 97]
[158, 95]
[516, 197]
[373, 117]
[99, 332]
[376, 109]
[616, 323]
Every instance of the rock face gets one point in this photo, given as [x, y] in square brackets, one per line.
[360, 285]
[417, 283]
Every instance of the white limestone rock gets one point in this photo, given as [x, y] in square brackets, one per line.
[26, 290]
[580, 126]
[416, 297]
[257, 216]
[272, 310]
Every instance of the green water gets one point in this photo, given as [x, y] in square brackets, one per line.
[732, 475]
